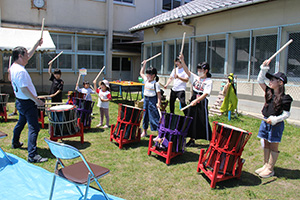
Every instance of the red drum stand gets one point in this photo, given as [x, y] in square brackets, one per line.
[127, 128]
[172, 132]
[222, 160]
[3, 103]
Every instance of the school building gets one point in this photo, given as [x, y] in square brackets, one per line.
[233, 36]
[91, 34]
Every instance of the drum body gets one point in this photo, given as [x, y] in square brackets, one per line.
[226, 147]
[74, 94]
[174, 129]
[62, 120]
[84, 110]
[128, 120]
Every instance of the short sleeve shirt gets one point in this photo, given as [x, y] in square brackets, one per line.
[104, 95]
[19, 79]
[149, 90]
[57, 84]
[203, 86]
[268, 108]
[87, 92]
[179, 85]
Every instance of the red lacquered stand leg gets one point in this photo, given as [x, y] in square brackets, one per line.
[168, 159]
[111, 132]
[150, 145]
[121, 139]
[200, 159]
[215, 174]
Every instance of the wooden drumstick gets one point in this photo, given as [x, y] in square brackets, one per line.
[182, 44]
[283, 47]
[152, 57]
[95, 91]
[78, 79]
[51, 61]
[42, 29]
[57, 103]
[99, 73]
[257, 117]
[161, 84]
[182, 109]
[9, 63]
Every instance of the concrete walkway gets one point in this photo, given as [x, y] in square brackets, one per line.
[254, 108]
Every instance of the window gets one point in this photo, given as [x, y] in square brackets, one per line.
[264, 47]
[123, 63]
[125, 1]
[171, 4]
[216, 56]
[241, 56]
[90, 61]
[293, 62]
[89, 51]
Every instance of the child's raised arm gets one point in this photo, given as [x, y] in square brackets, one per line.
[262, 74]
[185, 68]
[49, 69]
[142, 71]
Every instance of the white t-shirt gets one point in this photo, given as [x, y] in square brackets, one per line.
[87, 91]
[202, 85]
[19, 79]
[149, 90]
[179, 85]
[104, 95]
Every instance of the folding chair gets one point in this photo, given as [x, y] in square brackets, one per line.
[3, 135]
[80, 173]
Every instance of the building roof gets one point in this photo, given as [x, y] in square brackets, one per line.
[193, 9]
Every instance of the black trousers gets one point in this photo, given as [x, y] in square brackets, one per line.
[181, 96]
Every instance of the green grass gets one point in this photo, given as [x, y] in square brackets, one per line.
[135, 175]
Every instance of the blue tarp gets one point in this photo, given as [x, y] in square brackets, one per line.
[22, 180]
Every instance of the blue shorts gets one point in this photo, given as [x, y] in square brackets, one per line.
[271, 133]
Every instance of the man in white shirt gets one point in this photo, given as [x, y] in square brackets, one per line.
[178, 90]
[26, 101]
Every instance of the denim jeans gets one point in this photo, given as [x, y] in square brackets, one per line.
[151, 113]
[28, 113]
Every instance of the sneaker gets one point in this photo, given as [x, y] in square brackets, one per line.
[16, 146]
[156, 139]
[99, 125]
[37, 159]
[105, 126]
[191, 143]
[12, 114]
[144, 134]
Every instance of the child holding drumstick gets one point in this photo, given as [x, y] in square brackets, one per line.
[276, 110]
[202, 87]
[104, 97]
[152, 98]
[57, 84]
[86, 90]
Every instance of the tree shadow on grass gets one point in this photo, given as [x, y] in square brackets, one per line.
[93, 130]
[133, 145]
[247, 179]
[9, 120]
[287, 173]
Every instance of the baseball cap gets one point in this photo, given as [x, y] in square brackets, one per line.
[279, 75]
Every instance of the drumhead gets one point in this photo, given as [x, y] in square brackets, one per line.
[232, 127]
[61, 107]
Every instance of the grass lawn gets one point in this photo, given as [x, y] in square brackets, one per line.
[135, 175]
